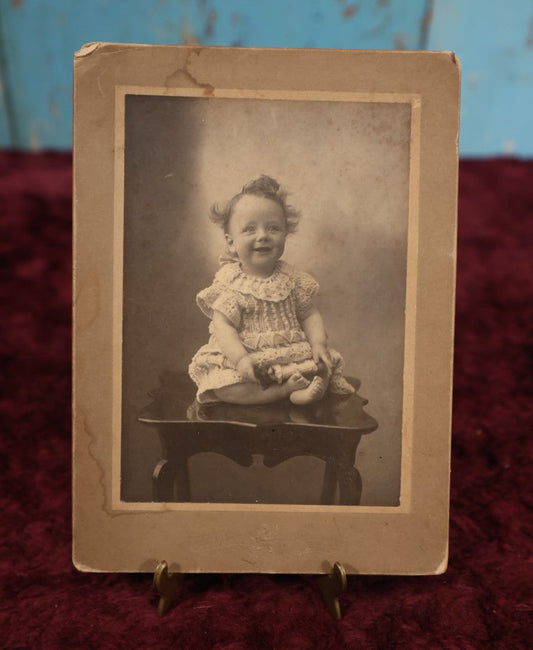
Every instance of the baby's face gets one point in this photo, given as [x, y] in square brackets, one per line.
[257, 232]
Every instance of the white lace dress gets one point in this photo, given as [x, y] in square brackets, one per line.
[266, 312]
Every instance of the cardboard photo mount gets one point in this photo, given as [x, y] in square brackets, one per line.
[112, 535]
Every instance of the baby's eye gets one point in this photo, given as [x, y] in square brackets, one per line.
[274, 228]
[248, 229]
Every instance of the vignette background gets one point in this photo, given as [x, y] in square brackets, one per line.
[346, 166]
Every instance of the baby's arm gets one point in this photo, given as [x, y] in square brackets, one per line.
[313, 326]
[231, 345]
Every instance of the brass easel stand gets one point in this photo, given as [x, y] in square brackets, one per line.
[166, 585]
[331, 586]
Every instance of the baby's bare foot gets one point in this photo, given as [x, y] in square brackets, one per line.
[312, 393]
[296, 382]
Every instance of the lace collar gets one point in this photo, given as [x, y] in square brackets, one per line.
[276, 286]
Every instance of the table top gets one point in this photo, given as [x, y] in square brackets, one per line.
[174, 402]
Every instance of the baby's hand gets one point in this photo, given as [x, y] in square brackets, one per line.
[245, 368]
[321, 353]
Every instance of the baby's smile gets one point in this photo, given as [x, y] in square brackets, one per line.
[257, 232]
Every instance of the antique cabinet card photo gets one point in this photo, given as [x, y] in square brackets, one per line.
[264, 278]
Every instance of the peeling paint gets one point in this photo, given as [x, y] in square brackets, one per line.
[350, 11]
[35, 140]
[472, 80]
[529, 36]
[380, 28]
[210, 22]
[425, 25]
[400, 41]
[509, 147]
[53, 107]
[187, 37]
[426, 18]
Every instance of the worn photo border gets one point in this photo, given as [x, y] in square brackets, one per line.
[113, 535]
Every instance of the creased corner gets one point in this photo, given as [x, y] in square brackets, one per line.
[455, 60]
[86, 49]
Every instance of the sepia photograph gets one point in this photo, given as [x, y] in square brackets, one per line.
[265, 266]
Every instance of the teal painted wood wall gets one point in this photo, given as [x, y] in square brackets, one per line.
[493, 39]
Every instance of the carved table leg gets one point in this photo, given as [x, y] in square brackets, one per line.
[170, 481]
[329, 484]
[163, 479]
[350, 486]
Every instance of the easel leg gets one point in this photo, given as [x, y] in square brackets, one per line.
[166, 585]
[331, 587]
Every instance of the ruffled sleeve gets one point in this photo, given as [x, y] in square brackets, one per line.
[220, 298]
[306, 287]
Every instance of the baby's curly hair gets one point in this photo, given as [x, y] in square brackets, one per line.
[263, 186]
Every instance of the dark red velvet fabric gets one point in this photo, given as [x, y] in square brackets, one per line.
[481, 602]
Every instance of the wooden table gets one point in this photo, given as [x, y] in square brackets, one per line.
[329, 429]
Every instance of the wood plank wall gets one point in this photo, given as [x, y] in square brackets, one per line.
[493, 39]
